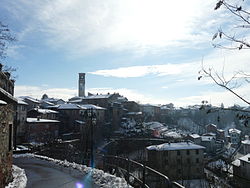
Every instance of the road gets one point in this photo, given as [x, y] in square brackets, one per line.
[45, 174]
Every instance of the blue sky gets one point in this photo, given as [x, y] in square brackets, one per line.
[149, 51]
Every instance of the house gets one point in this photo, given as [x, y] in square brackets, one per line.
[20, 120]
[220, 134]
[209, 143]
[182, 160]
[211, 128]
[241, 170]
[151, 112]
[50, 101]
[195, 138]
[103, 100]
[41, 130]
[246, 146]
[112, 102]
[131, 106]
[235, 135]
[42, 113]
[71, 114]
[7, 106]
[32, 103]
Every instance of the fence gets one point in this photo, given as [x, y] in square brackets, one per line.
[135, 173]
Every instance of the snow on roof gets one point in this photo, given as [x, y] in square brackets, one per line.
[3, 102]
[245, 158]
[101, 96]
[134, 113]
[76, 101]
[209, 134]
[213, 125]
[80, 122]
[247, 142]
[234, 131]
[52, 100]
[171, 134]
[20, 101]
[36, 120]
[91, 106]
[175, 146]
[47, 102]
[30, 99]
[220, 130]
[45, 111]
[236, 162]
[206, 138]
[150, 105]
[194, 135]
[153, 125]
[68, 106]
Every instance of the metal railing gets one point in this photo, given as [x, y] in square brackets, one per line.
[135, 173]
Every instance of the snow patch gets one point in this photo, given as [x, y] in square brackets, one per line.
[101, 178]
[19, 178]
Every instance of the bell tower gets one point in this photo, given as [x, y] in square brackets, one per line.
[81, 85]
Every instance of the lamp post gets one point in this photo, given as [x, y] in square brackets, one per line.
[91, 117]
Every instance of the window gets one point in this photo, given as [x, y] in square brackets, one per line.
[197, 151]
[10, 137]
[166, 162]
[188, 160]
[188, 152]
[178, 153]
[197, 160]
[165, 153]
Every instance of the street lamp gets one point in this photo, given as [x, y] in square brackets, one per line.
[91, 117]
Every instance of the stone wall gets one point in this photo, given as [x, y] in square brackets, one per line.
[5, 154]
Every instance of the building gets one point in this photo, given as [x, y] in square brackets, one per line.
[46, 102]
[41, 130]
[235, 136]
[246, 146]
[211, 128]
[32, 103]
[209, 143]
[7, 106]
[183, 160]
[195, 138]
[241, 170]
[81, 85]
[42, 113]
[71, 116]
[151, 112]
[220, 134]
[131, 106]
[20, 120]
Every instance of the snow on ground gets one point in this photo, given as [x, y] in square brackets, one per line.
[19, 178]
[100, 177]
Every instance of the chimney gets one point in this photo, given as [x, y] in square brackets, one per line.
[81, 85]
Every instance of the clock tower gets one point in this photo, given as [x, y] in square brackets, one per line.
[81, 86]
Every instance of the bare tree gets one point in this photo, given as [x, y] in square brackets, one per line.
[5, 38]
[225, 40]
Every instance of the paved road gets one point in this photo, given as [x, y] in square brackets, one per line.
[45, 174]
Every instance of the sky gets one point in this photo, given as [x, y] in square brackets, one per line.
[149, 51]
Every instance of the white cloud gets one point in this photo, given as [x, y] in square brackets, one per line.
[82, 26]
[217, 97]
[140, 71]
[37, 92]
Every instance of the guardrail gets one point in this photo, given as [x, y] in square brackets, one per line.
[135, 173]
